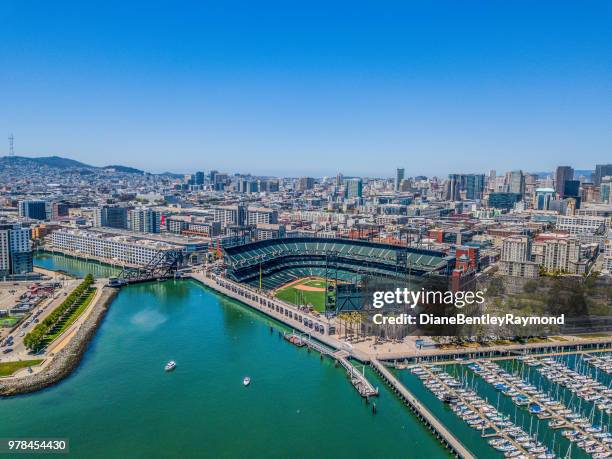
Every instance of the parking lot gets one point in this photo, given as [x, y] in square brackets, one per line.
[41, 301]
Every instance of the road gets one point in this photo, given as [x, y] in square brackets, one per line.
[48, 305]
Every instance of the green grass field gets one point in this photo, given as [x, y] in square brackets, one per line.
[9, 321]
[8, 368]
[294, 295]
[72, 317]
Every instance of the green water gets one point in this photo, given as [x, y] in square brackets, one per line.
[120, 403]
[73, 266]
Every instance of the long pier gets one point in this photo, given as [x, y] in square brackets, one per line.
[431, 421]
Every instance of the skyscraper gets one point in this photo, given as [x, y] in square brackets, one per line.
[472, 184]
[353, 188]
[516, 182]
[562, 174]
[601, 171]
[399, 176]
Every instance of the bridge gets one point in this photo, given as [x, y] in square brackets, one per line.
[163, 265]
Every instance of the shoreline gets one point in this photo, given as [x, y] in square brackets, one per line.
[61, 365]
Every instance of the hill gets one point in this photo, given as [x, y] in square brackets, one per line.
[57, 162]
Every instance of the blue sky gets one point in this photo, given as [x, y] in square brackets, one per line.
[310, 88]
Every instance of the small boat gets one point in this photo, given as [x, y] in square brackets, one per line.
[246, 381]
[171, 365]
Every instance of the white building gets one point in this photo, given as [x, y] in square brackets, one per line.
[114, 248]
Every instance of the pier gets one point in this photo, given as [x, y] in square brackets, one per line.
[358, 379]
[431, 421]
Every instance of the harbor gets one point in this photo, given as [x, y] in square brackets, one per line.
[450, 406]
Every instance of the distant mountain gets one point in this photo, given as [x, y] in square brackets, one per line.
[58, 162]
[62, 163]
[172, 175]
[126, 169]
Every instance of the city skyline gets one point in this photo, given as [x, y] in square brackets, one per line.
[434, 88]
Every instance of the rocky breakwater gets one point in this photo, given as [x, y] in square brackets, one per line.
[67, 359]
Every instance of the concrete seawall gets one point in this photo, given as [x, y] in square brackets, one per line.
[60, 365]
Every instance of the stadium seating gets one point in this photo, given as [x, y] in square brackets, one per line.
[275, 262]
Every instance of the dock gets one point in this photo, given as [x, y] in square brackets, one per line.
[358, 379]
[497, 432]
[444, 435]
[547, 411]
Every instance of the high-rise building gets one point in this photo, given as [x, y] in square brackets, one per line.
[601, 171]
[560, 254]
[34, 209]
[230, 215]
[111, 217]
[261, 215]
[571, 189]
[353, 188]
[604, 190]
[562, 174]
[144, 220]
[305, 183]
[59, 210]
[543, 197]
[516, 258]
[399, 176]
[516, 182]
[339, 179]
[472, 185]
[15, 250]
[199, 178]
[505, 201]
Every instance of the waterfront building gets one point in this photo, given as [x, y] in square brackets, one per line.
[108, 246]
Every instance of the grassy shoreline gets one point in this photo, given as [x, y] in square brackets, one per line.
[8, 368]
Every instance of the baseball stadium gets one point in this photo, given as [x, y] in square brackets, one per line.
[310, 270]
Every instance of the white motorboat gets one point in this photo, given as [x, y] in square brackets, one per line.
[246, 381]
[171, 365]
